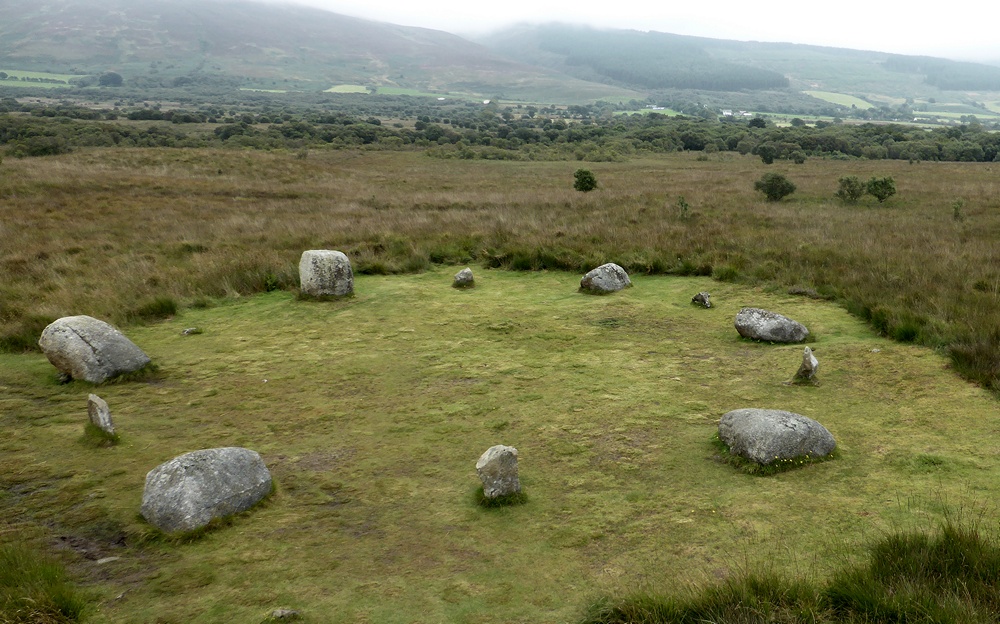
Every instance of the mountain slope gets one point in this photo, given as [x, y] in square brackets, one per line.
[252, 42]
[655, 60]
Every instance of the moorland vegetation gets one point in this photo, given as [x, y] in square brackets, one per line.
[472, 130]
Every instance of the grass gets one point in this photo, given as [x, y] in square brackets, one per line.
[35, 589]
[347, 88]
[946, 576]
[371, 412]
[840, 98]
[226, 223]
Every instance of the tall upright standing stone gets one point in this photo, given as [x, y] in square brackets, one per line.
[325, 273]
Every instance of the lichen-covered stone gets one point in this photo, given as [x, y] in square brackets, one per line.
[497, 469]
[464, 279]
[702, 299]
[607, 278]
[807, 370]
[325, 273]
[768, 326]
[766, 435]
[191, 490]
[82, 347]
[100, 414]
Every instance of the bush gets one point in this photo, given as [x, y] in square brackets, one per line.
[584, 180]
[851, 188]
[881, 188]
[774, 186]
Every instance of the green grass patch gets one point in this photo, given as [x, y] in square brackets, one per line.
[840, 98]
[370, 412]
[35, 589]
[949, 576]
[347, 88]
[96, 437]
[764, 470]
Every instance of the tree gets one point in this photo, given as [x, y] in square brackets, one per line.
[767, 152]
[757, 122]
[110, 79]
[584, 180]
[881, 188]
[774, 186]
[851, 188]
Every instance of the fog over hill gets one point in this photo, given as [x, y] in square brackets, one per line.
[241, 43]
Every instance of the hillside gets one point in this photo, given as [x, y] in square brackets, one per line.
[228, 44]
[251, 44]
[663, 62]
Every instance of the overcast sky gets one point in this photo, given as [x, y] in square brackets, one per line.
[961, 29]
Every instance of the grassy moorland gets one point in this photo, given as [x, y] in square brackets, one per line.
[130, 235]
[371, 412]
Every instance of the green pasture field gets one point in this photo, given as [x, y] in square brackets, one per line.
[347, 88]
[839, 98]
[17, 73]
[370, 413]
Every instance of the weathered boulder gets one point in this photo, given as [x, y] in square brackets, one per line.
[191, 490]
[325, 273]
[82, 347]
[702, 299]
[607, 278]
[768, 326]
[497, 469]
[100, 414]
[464, 279]
[807, 370]
[764, 436]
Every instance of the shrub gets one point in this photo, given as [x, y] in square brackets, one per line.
[584, 180]
[774, 186]
[850, 189]
[881, 188]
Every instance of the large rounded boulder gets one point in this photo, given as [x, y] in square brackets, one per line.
[607, 278]
[86, 348]
[325, 273]
[765, 435]
[758, 324]
[191, 490]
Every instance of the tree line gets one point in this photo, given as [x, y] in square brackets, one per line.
[463, 130]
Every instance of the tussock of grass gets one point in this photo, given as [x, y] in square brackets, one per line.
[950, 577]
[35, 589]
[498, 502]
[95, 437]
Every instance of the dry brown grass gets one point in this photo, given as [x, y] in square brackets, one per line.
[107, 232]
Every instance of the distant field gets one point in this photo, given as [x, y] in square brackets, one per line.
[645, 111]
[17, 73]
[264, 90]
[347, 88]
[839, 98]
